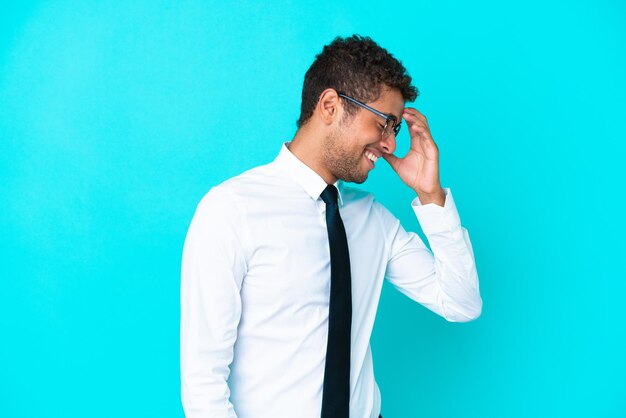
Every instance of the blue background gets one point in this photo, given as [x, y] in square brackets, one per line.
[116, 117]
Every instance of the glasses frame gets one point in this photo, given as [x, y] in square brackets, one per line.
[396, 125]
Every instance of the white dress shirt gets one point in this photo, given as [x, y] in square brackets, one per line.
[255, 288]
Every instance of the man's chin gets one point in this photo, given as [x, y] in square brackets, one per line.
[353, 179]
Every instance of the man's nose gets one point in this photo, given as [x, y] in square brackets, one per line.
[388, 144]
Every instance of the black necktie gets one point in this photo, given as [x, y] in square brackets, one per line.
[336, 394]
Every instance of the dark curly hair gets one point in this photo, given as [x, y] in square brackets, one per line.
[358, 67]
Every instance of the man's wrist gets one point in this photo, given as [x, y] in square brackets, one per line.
[438, 197]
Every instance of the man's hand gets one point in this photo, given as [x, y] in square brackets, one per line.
[419, 168]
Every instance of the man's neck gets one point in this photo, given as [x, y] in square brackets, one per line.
[307, 149]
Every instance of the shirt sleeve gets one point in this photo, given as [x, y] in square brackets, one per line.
[212, 271]
[445, 279]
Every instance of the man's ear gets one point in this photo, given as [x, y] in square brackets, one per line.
[328, 107]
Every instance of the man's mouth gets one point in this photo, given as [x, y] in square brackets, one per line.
[370, 157]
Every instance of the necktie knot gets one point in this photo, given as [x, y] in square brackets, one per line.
[329, 195]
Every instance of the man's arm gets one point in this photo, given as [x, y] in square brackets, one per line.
[213, 267]
[444, 280]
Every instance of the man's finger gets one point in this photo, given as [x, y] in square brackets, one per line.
[415, 114]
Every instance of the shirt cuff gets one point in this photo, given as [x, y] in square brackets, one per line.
[434, 218]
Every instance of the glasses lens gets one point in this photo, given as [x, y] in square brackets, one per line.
[396, 129]
[390, 127]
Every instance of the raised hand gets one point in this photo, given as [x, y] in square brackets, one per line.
[419, 168]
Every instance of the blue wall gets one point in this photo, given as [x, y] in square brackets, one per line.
[116, 117]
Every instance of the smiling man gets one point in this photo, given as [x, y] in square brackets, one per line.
[283, 265]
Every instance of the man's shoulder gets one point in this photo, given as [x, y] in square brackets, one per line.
[351, 194]
[254, 176]
[247, 183]
[365, 200]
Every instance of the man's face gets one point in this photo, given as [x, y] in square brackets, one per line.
[346, 148]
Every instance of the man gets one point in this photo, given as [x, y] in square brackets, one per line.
[283, 265]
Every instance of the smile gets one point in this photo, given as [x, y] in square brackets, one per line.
[371, 157]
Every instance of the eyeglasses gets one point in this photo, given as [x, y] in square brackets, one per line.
[391, 123]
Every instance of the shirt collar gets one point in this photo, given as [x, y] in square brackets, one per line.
[310, 181]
